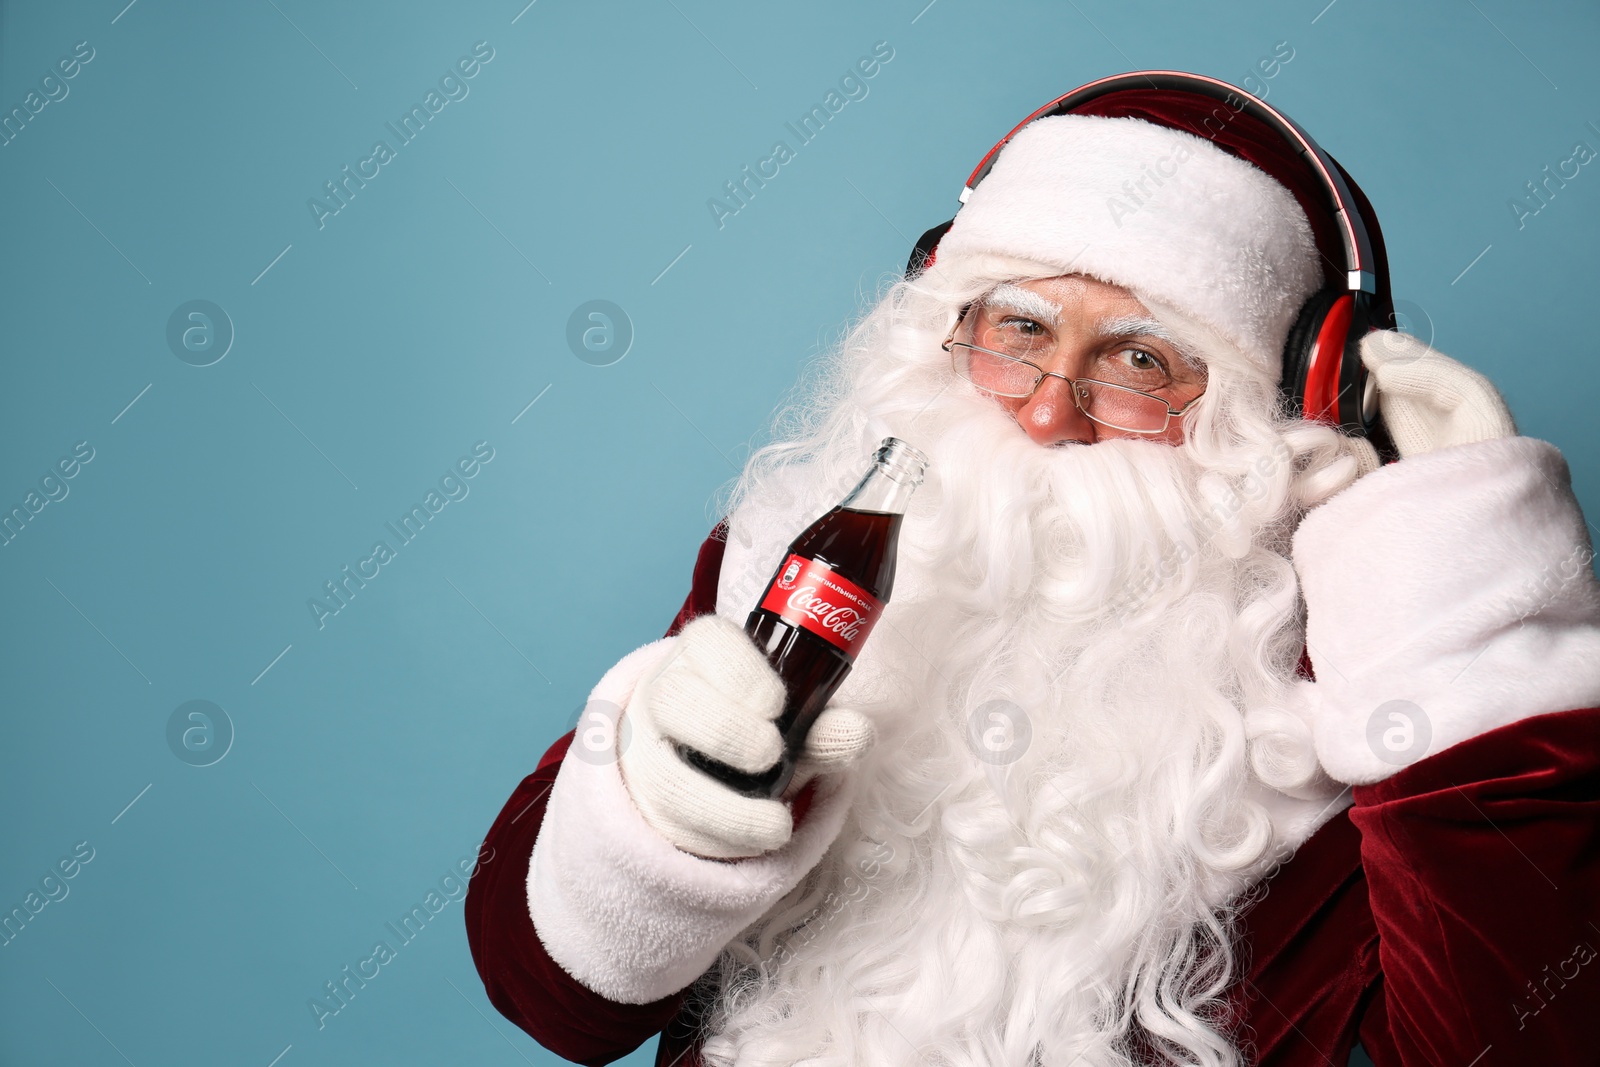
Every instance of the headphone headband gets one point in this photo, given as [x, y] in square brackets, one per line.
[1360, 263]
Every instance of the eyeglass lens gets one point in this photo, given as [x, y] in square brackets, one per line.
[1106, 404]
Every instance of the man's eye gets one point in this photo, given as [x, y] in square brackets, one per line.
[1021, 324]
[1140, 360]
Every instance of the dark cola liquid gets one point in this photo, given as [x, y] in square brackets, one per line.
[858, 545]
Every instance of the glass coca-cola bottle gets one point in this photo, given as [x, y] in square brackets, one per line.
[821, 603]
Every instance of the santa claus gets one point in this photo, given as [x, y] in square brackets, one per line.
[1193, 733]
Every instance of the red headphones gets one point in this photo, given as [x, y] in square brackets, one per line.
[1323, 376]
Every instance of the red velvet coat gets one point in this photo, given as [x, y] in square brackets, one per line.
[1447, 918]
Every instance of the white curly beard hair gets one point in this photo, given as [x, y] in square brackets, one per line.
[1080, 692]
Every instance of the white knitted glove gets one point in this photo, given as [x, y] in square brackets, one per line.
[1428, 400]
[717, 694]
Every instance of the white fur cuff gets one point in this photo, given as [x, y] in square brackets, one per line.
[1447, 594]
[619, 908]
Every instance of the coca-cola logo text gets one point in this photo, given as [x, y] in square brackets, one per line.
[813, 597]
[840, 619]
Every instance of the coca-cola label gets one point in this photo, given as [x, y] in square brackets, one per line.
[812, 596]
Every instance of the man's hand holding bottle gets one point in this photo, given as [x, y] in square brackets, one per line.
[717, 694]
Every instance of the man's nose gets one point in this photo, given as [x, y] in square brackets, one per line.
[1050, 417]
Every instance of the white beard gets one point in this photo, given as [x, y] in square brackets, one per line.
[1079, 685]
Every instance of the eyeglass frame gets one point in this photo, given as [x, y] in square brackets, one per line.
[950, 343]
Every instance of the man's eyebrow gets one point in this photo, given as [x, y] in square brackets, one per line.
[1133, 326]
[1025, 301]
[1137, 325]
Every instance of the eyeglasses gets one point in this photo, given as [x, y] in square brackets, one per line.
[1000, 366]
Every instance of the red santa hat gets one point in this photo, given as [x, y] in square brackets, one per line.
[1159, 211]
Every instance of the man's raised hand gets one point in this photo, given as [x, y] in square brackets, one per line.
[1428, 400]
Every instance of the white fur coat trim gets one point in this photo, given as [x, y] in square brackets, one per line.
[1447, 594]
[618, 907]
[1153, 209]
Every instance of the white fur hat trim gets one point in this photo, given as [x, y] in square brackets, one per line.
[1152, 209]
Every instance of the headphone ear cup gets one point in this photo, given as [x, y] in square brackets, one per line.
[1323, 376]
[1299, 348]
[927, 246]
[1357, 398]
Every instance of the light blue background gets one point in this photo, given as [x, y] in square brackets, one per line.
[429, 312]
